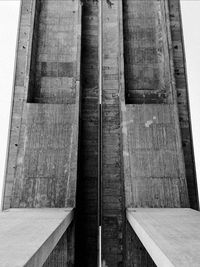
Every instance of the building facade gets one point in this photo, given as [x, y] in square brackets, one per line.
[132, 149]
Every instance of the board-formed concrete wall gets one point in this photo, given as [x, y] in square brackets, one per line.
[153, 156]
[43, 143]
[113, 219]
[183, 100]
[146, 54]
[156, 146]
[147, 145]
[42, 156]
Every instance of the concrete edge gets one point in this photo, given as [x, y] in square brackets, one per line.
[41, 255]
[160, 259]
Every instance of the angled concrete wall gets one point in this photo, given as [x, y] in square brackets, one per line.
[43, 144]
[159, 168]
[183, 100]
[147, 145]
[42, 156]
[153, 156]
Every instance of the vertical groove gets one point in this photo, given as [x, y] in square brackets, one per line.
[112, 179]
[100, 47]
[86, 243]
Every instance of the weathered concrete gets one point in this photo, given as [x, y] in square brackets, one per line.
[42, 156]
[146, 137]
[45, 174]
[153, 157]
[42, 159]
[155, 172]
[136, 254]
[180, 75]
[87, 187]
[112, 176]
[29, 235]
[146, 52]
[64, 252]
[56, 53]
[171, 236]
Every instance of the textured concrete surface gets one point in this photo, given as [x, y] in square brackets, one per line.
[147, 145]
[57, 31]
[29, 235]
[183, 99]
[42, 155]
[155, 162]
[112, 178]
[42, 158]
[136, 254]
[146, 52]
[153, 157]
[63, 253]
[156, 172]
[87, 190]
[171, 236]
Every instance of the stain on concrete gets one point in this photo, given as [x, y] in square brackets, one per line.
[148, 123]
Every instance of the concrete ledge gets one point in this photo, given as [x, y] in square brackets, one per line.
[171, 236]
[27, 236]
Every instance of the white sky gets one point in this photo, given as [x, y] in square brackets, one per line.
[9, 11]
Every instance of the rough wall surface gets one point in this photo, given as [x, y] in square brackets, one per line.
[42, 155]
[155, 169]
[157, 174]
[44, 137]
[136, 254]
[55, 60]
[20, 90]
[146, 54]
[63, 253]
[87, 191]
[152, 145]
[112, 178]
[183, 100]
[147, 144]
[46, 148]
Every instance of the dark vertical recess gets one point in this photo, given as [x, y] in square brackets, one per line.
[113, 217]
[113, 206]
[86, 233]
[63, 253]
[136, 254]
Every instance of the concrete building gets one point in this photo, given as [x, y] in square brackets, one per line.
[100, 150]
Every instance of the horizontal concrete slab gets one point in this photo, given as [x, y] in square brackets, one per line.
[27, 236]
[171, 236]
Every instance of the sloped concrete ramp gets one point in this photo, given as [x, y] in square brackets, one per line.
[27, 236]
[171, 236]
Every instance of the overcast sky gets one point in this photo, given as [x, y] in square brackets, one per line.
[9, 11]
